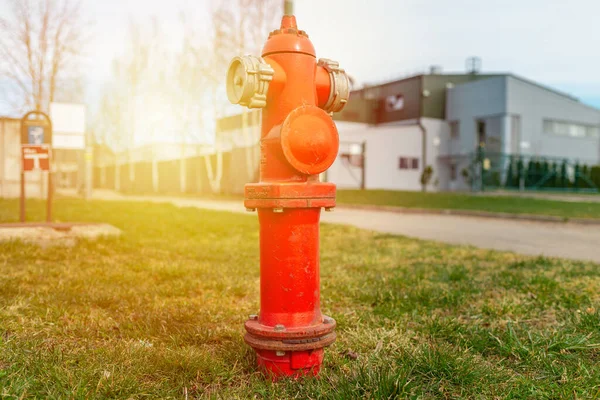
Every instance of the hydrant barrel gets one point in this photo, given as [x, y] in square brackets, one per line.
[299, 141]
[289, 296]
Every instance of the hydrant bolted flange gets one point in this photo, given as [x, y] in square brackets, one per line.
[279, 337]
[299, 141]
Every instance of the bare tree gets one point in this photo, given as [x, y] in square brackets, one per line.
[238, 27]
[189, 89]
[41, 44]
[110, 124]
[134, 67]
[179, 89]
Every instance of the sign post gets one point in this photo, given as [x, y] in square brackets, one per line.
[36, 154]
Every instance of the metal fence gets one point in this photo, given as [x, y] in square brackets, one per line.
[493, 171]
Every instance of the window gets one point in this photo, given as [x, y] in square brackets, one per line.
[408, 163]
[481, 136]
[481, 127]
[403, 162]
[353, 156]
[394, 103]
[353, 160]
[453, 172]
[571, 129]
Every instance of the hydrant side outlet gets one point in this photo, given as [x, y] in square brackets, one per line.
[299, 140]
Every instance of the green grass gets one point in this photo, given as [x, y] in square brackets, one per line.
[159, 312]
[458, 201]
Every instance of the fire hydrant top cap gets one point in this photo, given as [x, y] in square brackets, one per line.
[288, 39]
[309, 140]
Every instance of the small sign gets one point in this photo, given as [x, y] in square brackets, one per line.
[35, 134]
[35, 157]
[487, 164]
[36, 129]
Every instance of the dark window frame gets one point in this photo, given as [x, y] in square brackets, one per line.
[408, 163]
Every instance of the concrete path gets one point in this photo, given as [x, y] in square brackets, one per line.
[579, 242]
[564, 240]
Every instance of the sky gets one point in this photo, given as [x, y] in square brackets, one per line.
[553, 42]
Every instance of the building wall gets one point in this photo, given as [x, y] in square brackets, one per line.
[467, 103]
[534, 104]
[69, 164]
[385, 145]
[436, 85]
[374, 105]
[360, 108]
[438, 133]
[410, 92]
[514, 111]
[342, 172]
[243, 145]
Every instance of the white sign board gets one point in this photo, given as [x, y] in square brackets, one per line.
[68, 125]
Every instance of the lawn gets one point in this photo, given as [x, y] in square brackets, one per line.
[464, 201]
[159, 312]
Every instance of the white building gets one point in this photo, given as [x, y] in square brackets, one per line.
[440, 121]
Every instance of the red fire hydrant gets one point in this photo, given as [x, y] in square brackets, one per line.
[299, 141]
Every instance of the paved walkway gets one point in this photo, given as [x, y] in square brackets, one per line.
[565, 240]
[579, 242]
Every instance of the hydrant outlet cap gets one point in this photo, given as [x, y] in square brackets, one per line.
[248, 80]
[309, 140]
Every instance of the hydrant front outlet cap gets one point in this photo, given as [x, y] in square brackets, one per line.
[309, 140]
